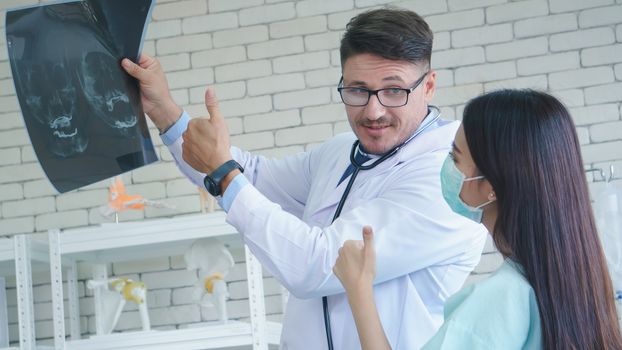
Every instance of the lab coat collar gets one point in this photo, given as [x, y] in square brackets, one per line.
[428, 123]
[438, 137]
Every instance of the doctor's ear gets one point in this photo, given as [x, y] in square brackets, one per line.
[492, 196]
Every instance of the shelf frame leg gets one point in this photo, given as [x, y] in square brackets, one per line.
[74, 304]
[4, 318]
[256, 301]
[56, 274]
[25, 303]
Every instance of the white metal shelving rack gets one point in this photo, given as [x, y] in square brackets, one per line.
[141, 240]
[19, 255]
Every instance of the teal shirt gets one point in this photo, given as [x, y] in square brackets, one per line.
[500, 312]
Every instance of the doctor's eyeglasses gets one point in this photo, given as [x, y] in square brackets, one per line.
[389, 97]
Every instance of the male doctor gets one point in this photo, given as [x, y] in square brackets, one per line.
[284, 208]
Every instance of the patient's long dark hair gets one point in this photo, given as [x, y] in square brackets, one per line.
[524, 142]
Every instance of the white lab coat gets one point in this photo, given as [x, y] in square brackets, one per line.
[424, 250]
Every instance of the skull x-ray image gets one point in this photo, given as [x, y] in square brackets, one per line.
[101, 83]
[52, 102]
[82, 111]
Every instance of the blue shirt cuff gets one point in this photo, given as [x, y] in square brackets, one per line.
[232, 191]
[176, 130]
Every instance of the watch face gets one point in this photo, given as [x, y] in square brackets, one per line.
[211, 186]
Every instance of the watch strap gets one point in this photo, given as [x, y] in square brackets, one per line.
[219, 174]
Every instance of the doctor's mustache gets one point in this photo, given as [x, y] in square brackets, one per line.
[378, 123]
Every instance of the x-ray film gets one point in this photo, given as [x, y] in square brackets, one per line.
[82, 111]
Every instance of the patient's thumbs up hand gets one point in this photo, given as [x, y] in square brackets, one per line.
[356, 264]
[369, 251]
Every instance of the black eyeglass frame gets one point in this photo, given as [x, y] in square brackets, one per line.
[340, 88]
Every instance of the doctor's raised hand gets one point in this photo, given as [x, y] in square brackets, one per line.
[206, 140]
[155, 96]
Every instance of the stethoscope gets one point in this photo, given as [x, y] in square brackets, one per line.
[358, 167]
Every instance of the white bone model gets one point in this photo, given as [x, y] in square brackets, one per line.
[213, 261]
[113, 301]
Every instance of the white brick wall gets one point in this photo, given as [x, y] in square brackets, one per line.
[482, 35]
[276, 83]
[485, 72]
[517, 49]
[218, 56]
[275, 48]
[516, 10]
[582, 38]
[545, 25]
[275, 65]
[209, 23]
[549, 63]
[299, 26]
[271, 121]
[603, 93]
[458, 57]
[244, 35]
[573, 5]
[600, 16]
[267, 14]
[456, 20]
[10, 156]
[243, 70]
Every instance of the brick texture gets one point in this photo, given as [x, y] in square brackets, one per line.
[275, 65]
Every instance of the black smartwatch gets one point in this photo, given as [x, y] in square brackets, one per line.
[213, 181]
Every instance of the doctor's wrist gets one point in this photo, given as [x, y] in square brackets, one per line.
[227, 180]
[166, 116]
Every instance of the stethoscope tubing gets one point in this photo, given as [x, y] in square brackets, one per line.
[358, 167]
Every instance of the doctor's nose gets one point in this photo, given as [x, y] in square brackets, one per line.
[374, 109]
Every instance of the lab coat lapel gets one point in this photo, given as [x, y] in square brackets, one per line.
[333, 196]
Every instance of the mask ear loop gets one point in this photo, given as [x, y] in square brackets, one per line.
[483, 204]
[491, 196]
[481, 177]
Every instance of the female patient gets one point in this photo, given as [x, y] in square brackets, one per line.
[515, 167]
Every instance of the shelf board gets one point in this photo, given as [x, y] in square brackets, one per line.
[39, 256]
[231, 334]
[144, 239]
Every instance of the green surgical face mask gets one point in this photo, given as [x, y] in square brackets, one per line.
[452, 180]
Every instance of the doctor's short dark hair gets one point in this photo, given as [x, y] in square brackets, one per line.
[394, 34]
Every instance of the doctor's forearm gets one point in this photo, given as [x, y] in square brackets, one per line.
[368, 325]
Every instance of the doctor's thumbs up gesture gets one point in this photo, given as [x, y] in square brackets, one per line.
[206, 141]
